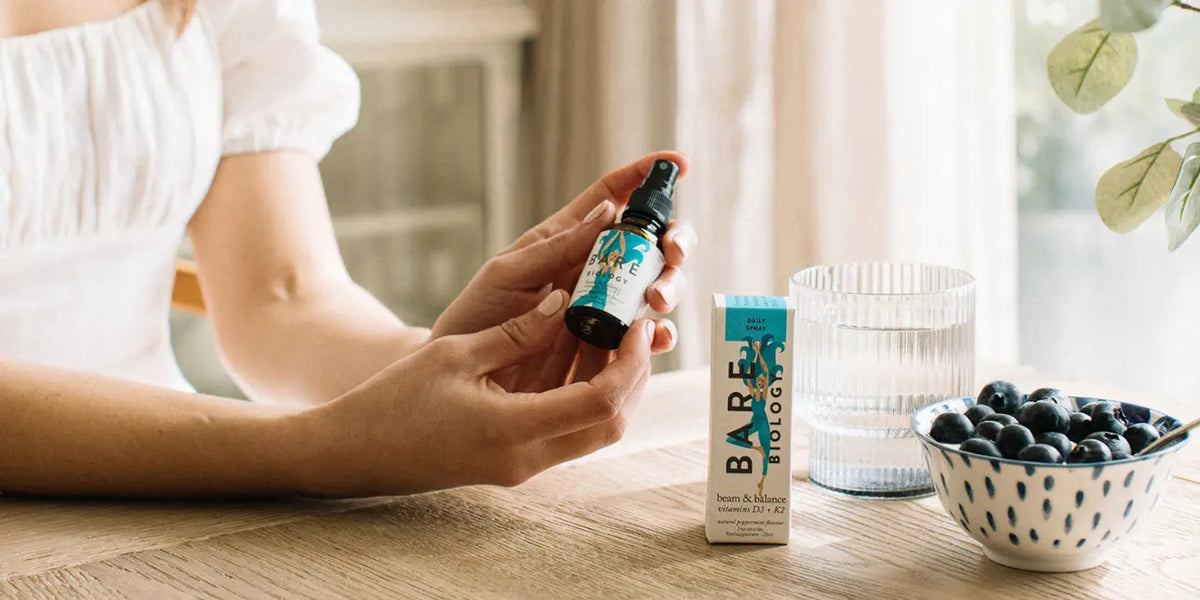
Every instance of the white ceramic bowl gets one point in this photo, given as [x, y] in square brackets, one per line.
[1047, 517]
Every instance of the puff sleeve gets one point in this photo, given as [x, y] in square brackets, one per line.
[282, 90]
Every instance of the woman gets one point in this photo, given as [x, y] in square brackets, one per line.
[123, 124]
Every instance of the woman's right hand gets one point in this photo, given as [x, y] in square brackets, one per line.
[436, 419]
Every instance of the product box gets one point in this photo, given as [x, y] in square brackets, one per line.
[750, 420]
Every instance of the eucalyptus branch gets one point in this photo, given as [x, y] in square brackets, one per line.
[1181, 136]
[1088, 68]
[1185, 6]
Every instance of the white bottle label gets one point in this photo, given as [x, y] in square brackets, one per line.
[618, 271]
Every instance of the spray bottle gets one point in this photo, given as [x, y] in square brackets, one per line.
[626, 259]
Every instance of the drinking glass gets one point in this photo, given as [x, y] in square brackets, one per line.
[875, 342]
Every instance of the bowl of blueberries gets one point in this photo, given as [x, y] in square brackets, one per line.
[1047, 481]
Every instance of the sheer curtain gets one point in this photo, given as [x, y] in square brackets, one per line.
[819, 131]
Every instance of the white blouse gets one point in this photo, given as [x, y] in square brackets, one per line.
[110, 133]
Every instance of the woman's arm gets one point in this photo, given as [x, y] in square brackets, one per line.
[63, 432]
[435, 419]
[290, 323]
[293, 327]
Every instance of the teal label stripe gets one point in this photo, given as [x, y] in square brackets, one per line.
[754, 316]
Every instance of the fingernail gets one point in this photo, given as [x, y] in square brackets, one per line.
[649, 327]
[596, 212]
[551, 303]
[669, 293]
[686, 240]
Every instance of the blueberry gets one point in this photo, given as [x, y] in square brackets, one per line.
[1119, 412]
[1021, 411]
[978, 412]
[1090, 408]
[1057, 440]
[1051, 394]
[1000, 418]
[1114, 442]
[1121, 455]
[1012, 439]
[1001, 396]
[1039, 453]
[1090, 451]
[951, 428]
[1106, 421]
[1080, 427]
[1139, 436]
[1044, 416]
[980, 446]
[988, 430]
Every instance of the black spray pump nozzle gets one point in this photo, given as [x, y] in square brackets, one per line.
[653, 198]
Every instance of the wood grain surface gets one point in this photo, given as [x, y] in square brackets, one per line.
[624, 524]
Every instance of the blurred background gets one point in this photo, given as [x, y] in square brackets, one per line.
[819, 131]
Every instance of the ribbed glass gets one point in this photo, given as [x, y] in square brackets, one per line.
[875, 342]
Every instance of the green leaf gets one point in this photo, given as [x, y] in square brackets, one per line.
[1188, 111]
[1128, 193]
[1130, 15]
[1183, 206]
[1196, 96]
[1090, 66]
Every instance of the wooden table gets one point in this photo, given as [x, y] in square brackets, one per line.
[625, 523]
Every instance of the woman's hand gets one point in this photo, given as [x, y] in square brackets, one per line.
[438, 418]
[551, 256]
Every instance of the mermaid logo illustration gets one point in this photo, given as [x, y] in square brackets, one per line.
[612, 255]
[761, 368]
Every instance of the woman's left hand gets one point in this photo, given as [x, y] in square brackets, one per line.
[551, 256]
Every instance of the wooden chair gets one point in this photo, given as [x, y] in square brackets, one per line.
[186, 296]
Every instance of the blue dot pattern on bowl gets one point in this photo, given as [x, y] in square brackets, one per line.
[1135, 414]
[1090, 508]
[1166, 424]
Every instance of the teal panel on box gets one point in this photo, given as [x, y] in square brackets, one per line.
[755, 316]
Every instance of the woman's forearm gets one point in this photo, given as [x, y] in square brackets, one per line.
[64, 432]
[309, 349]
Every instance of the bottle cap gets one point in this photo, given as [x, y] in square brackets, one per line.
[653, 198]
